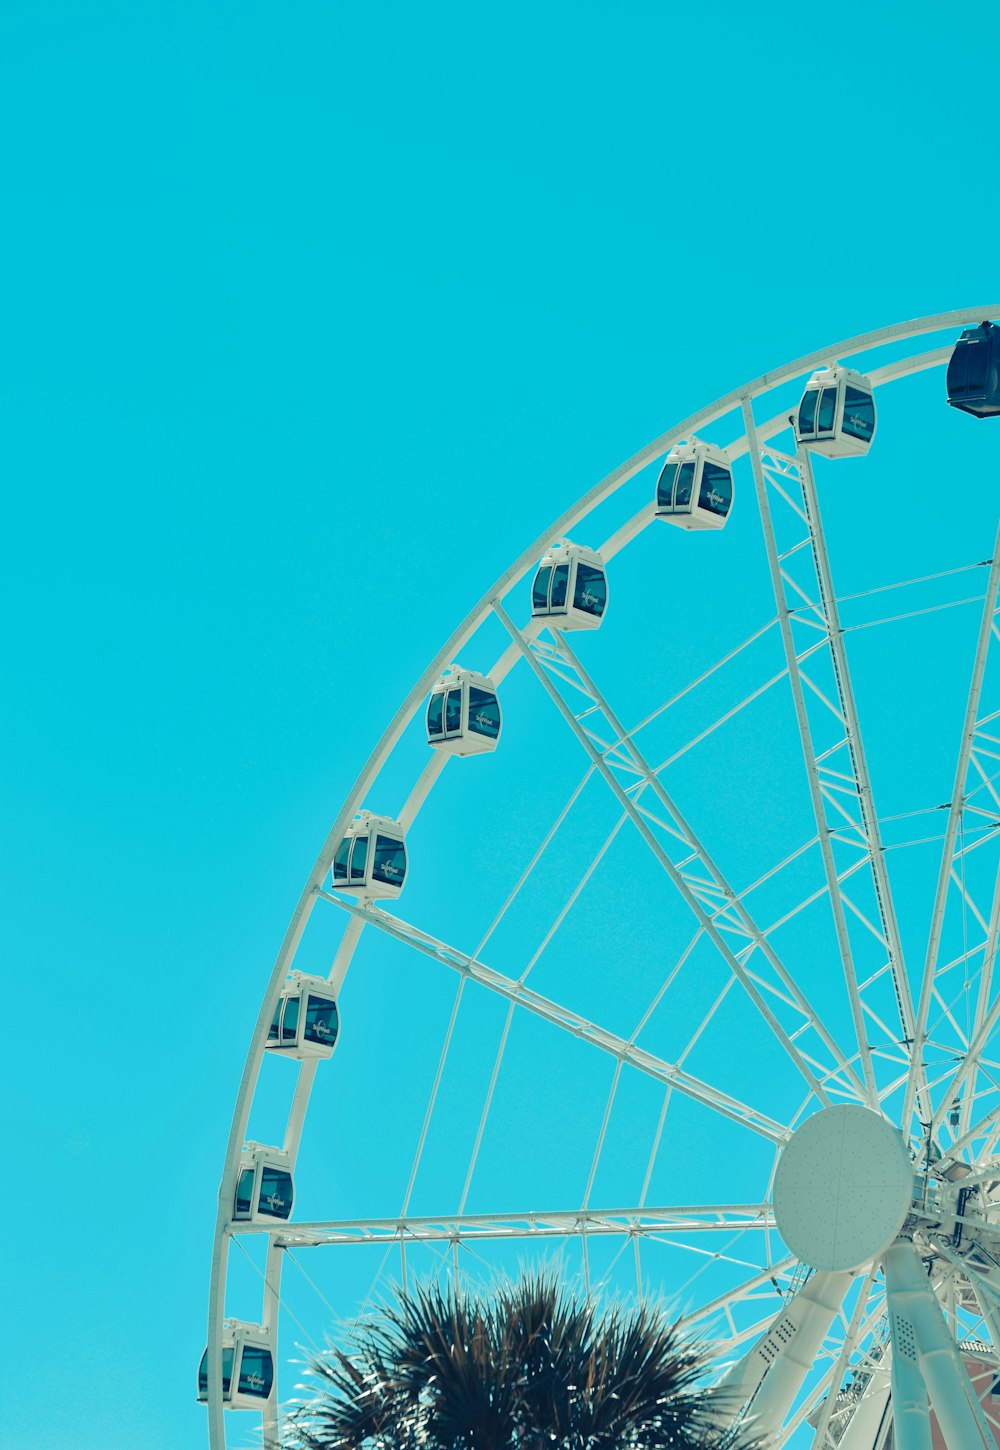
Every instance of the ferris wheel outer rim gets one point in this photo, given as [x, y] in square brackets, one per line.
[617, 478]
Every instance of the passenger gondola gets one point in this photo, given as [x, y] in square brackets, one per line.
[695, 488]
[974, 372]
[263, 1186]
[570, 588]
[370, 861]
[306, 1021]
[836, 416]
[463, 713]
[247, 1367]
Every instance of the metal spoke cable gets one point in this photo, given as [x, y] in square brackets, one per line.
[488, 1103]
[434, 1092]
[912, 614]
[546, 842]
[521, 980]
[908, 583]
[699, 680]
[283, 1303]
[603, 1133]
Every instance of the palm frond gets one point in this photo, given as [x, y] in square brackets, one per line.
[526, 1365]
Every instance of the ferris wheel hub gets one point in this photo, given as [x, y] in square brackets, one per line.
[843, 1188]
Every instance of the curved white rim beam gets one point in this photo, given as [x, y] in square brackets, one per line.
[849, 348]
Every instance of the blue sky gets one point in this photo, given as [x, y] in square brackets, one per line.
[314, 317]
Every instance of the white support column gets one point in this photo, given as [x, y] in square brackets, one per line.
[768, 1378]
[926, 1362]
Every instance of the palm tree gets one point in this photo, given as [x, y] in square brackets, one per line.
[527, 1366]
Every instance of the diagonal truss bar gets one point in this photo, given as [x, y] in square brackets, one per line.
[987, 630]
[824, 609]
[732, 902]
[617, 1047]
[559, 1223]
[705, 918]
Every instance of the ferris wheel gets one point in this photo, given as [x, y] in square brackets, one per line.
[671, 902]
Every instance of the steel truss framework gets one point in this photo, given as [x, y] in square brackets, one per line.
[823, 1350]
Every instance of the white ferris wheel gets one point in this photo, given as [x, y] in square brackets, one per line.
[671, 895]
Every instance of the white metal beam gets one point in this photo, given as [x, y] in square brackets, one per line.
[619, 1048]
[955, 812]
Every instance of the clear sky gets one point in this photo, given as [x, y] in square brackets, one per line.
[313, 317]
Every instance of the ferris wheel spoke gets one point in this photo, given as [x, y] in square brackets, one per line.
[837, 770]
[618, 1048]
[631, 1222]
[948, 874]
[703, 894]
[987, 1017]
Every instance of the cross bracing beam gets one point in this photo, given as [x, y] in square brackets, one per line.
[837, 770]
[707, 915]
[484, 1227]
[619, 1048]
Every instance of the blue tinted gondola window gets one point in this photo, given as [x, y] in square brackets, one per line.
[321, 1021]
[560, 578]
[716, 489]
[665, 487]
[227, 1374]
[390, 861]
[359, 858]
[807, 411]
[685, 483]
[484, 713]
[256, 1372]
[244, 1193]
[859, 413]
[272, 1031]
[275, 1192]
[827, 410]
[453, 713]
[591, 589]
[290, 1020]
[340, 860]
[540, 589]
[435, 714]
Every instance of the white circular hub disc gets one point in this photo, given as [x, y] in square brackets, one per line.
[843, 1188]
